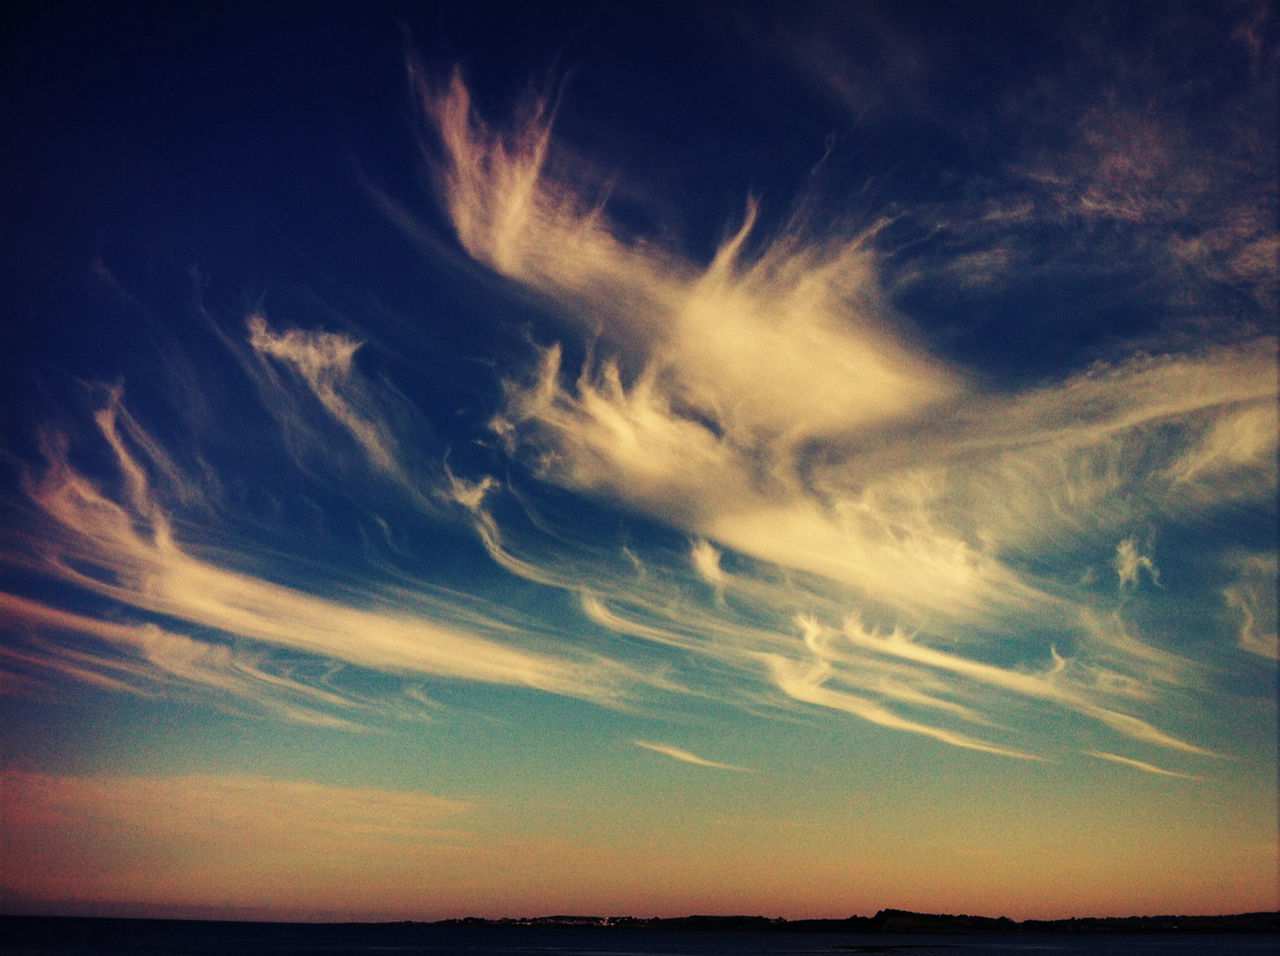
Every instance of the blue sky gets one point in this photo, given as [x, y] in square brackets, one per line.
[792, 459]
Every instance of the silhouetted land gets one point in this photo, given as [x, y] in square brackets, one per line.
[87, 935]
[905, 921]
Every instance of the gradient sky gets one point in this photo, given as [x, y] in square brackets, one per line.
[644, 458]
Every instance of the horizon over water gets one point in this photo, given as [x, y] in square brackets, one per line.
[91, 936]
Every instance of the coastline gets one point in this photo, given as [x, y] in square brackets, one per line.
[885, 921]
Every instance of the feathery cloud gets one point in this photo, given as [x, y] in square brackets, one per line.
[1139, 765]
[1253, 597]
[686, 757]
[129, 555]
[905, 484]
[1129, 561]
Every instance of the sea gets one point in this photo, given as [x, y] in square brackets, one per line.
[90, 937]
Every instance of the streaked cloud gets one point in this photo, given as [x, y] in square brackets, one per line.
[323, 361]
[1048, 685]
[745, 340]
[685, 756]
[155, 661]
[907, 488]
[1138, 765]
[867, 525]
[807, 683]
[1240, 443]
[690, 440]
[128, 554]
[767, 403]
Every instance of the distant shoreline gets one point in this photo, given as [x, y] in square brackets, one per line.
[906, 921]
[885, 921]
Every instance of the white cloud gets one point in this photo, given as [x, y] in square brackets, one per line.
[324, 362]
[757, 416]
[921, 571]
[706, 562]
[686, 757]
[1253, 598]
[746, 343]
[154, 658]
[1139, 765]
[1049, 685]
[129, 555]
[767, 403]
[1129, 561]
[1240, 441]
[489, 177]
[628, 442]
[806, 682]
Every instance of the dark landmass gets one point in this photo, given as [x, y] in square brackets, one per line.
[76, 936]
[905, 921]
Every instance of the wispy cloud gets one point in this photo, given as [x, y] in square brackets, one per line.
[1048, 685]
[155, 660]
[807, 683]
[323, 360]
[716, 429]
[745, 340]
[1129, 562]
[1102, 166]
[1252, 596]
[489, 177]
[763, 403]
[866, 526]
[706, 561]
[1236, 448]
[686, 757]
[128, 553]
[1139, 765]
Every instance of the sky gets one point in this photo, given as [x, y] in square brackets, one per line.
[638, 458]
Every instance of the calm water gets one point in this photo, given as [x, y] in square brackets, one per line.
[92, 937]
